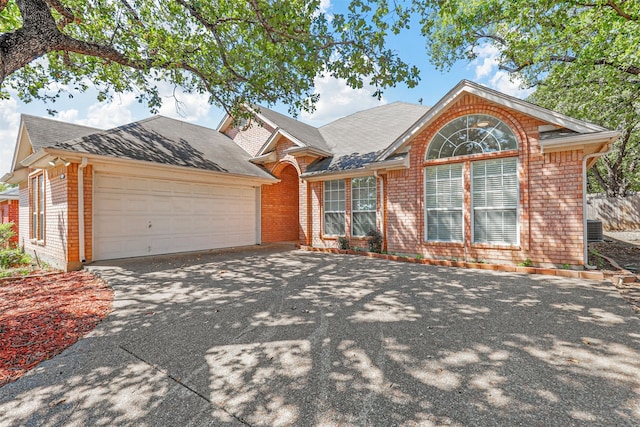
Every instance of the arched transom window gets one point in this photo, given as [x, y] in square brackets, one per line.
[471, 134]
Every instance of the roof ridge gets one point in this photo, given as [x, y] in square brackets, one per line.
[32, 116]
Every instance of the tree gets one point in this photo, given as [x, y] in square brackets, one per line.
[239, 52]
[608, 98]
[533, 37]
[582, 55]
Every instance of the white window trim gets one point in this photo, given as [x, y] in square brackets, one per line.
[472, 209]
[426, 216]
[325, 211]
[374, 210]
[37, 199]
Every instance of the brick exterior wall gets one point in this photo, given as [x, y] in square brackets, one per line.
[53, 249]
[9, 213]
[61, 246]
[252, 138]
[550, 197]
[74, 223]
[280, 207]
[302, 221]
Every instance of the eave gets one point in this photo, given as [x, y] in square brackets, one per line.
[389, 165]
[42, 157]
[326, 175]
[265, 158]
[307, 151]
[589, 142]
[506, 101]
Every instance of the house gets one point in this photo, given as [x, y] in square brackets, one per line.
[479, 176]
[9, 210]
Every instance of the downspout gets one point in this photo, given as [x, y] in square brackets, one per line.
[81, 167]
[585, 244]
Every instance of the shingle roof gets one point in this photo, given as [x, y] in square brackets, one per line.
[10, 194]
[47, 132]
[357, 139]
[168, 141]
[307, 134]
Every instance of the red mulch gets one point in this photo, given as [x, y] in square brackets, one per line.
[41, 316]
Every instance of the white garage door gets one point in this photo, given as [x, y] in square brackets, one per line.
[136, 216]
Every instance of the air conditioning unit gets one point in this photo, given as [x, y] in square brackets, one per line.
[594, 230]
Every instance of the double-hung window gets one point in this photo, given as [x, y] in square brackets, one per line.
[37, 207]
[494, 197]
[444, 198]
[495, 201]
[334, 207]
[363, 205]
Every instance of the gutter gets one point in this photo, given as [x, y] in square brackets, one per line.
[81, 167]
[575, 141]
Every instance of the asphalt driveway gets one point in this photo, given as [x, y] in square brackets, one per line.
[281, 337]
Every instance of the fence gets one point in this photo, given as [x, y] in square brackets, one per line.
[616, 214]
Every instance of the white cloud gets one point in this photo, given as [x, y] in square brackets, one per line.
[189, 107]
[69, 116]
[488, 72]
[325, 5]
[337, 100]
[9, 122]
[105, 115]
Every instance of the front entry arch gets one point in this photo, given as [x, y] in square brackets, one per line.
[280, 206]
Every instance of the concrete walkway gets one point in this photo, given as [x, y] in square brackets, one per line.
[272, 337]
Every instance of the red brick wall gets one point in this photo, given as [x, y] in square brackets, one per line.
[73, 248]
[550, 199]
[305, 204]
[280, 204]
[9, 213]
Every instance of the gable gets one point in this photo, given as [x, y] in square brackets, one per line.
[468, 93]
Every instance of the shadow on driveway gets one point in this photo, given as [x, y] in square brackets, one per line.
[272, 337]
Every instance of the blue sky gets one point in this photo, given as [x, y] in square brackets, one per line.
[336, 99]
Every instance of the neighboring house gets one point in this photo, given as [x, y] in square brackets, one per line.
[479, 176]
[9, 210]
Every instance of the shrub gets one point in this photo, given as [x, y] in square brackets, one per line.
[375, 241]
[12, 258]
[6, 233]
[343, 243]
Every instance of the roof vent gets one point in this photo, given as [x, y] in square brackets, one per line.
[594, 230]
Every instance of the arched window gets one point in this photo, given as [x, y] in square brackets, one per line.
[471, 134]
[493, 191]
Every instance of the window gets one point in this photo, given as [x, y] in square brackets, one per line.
[37, 207]
[471, 134]
[334, 207]
[495, 201]
[444, 197]
[363, 205]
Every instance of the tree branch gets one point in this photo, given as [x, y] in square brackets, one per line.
[67, 14]
[631, 69]
[620, 12]
[214, 31]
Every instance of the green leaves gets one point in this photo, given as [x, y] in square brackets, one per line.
[255, 51]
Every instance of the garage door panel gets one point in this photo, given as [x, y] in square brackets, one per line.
[183, 216]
